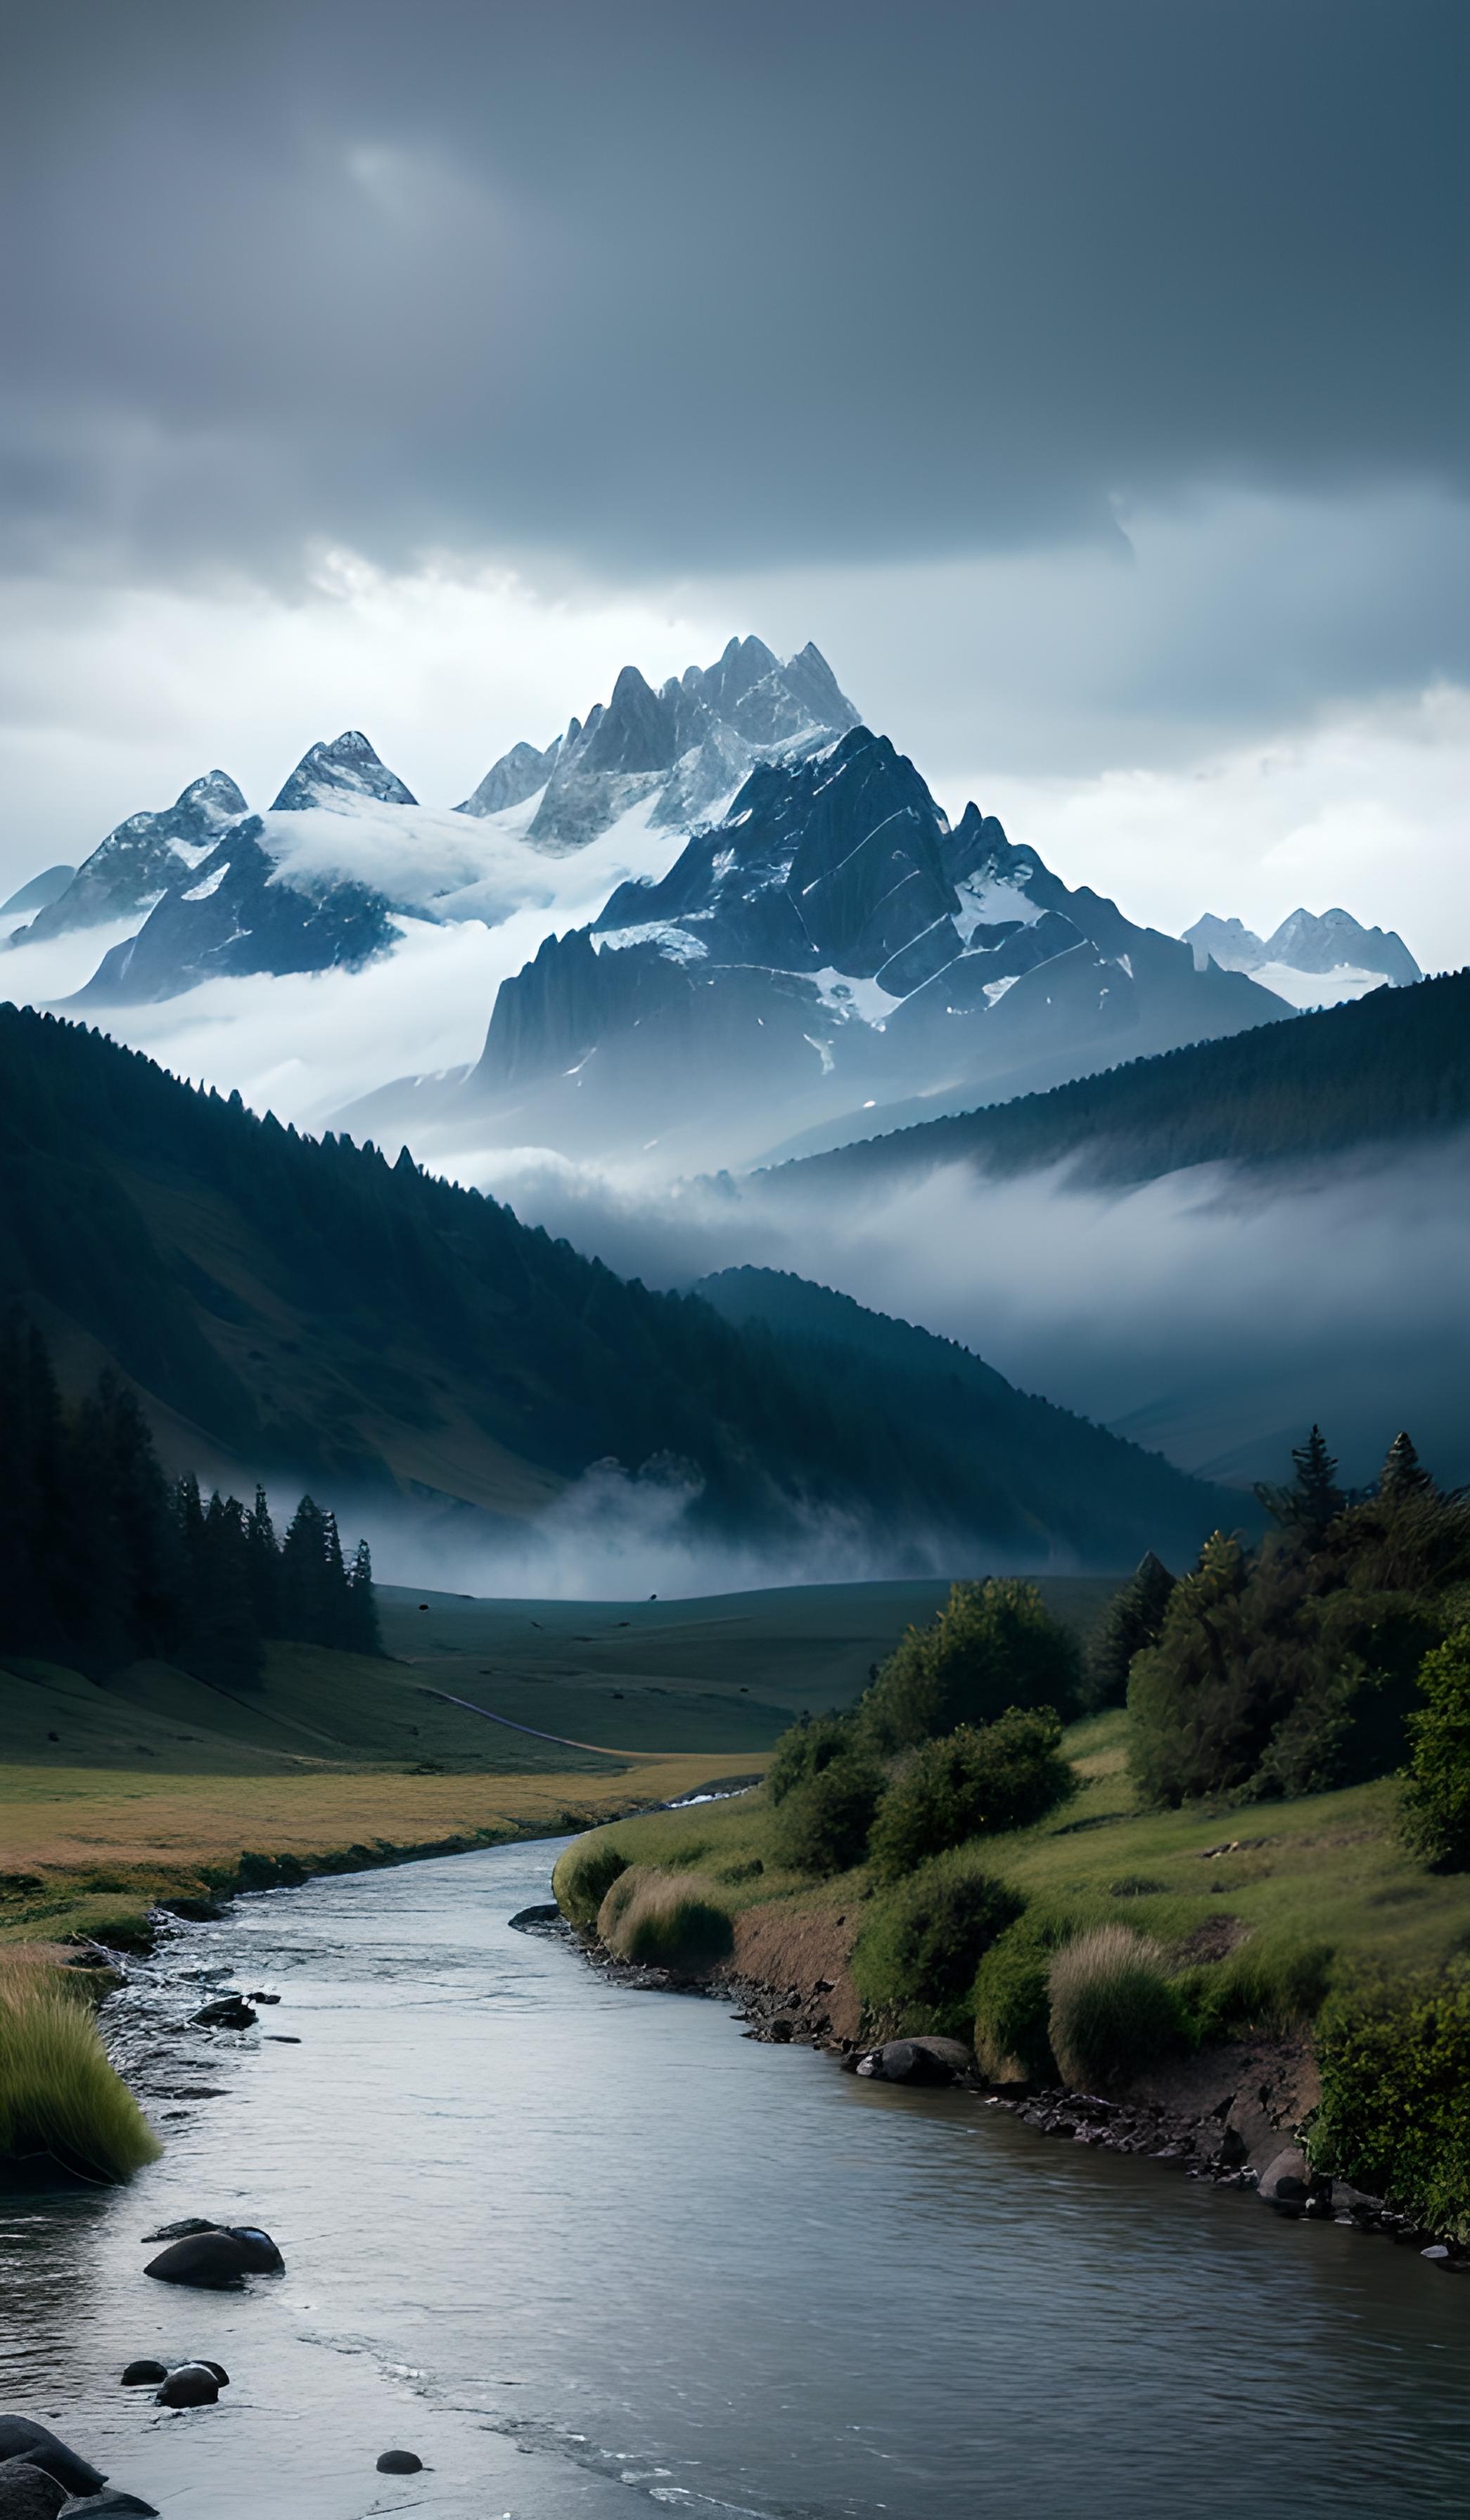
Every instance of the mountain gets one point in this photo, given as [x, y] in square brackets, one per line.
[1383, 1070]
[1041, 1465]
[831, 945]
[284, 1306]
[322, 879]
[246, 905]
[681, 751]
[143, 859]
[1333, 955]
[41, 891]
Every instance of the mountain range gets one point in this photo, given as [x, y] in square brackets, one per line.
[1332, 953]
[288, 1306]
[779, 940]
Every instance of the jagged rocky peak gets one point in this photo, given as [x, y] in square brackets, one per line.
[517, 775]
[681, 752]
[333, 774]
[135, 864]
[1305, 941]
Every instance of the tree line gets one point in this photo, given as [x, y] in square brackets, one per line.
[105, 1561]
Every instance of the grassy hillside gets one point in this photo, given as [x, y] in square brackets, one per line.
[1389, 1068]
[308, 1310]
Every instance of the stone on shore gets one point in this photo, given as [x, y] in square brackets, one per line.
[106, 2503]
[919, 2062]
[20, 2438]
[1285, 2181]
[29, 2493]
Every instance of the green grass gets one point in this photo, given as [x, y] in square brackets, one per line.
[59, 2096]
[665, 1920]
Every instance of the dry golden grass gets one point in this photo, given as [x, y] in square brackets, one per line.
[81, 1846]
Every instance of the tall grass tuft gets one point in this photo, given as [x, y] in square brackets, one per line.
[59, 2096]
[1114, 2011]
[583, 1877]
[665, 1920]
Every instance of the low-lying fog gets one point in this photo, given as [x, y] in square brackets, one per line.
[1212, 1314]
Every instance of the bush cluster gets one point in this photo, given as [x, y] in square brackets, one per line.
[1394, 2114]
[918, 1955]
[1291, 1668]
[991, 1777]
[993, 1646]
[1012, 1999]
[1437, 1789]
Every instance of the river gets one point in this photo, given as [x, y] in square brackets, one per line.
[583, 2248]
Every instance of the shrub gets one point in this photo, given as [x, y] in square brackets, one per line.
[1395, 2115]
[583, 1877]
[57, 2093]
[1272, 1988]
[918, 1955]
[822, 1825]
[804, 1750]
[1437, 1790]
[995, 1777]
[1013, 2000]
[665, 1920]
[992, 1646]
[1113, 2009]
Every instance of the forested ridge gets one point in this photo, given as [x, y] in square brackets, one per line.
[1386, 1068]
[308, 1307]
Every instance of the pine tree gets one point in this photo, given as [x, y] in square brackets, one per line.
[1404, 1473]
[363, 1634]
[1313, 1500]
[303, 1554]
[335, 1613]
[263, 1558]
[1132, 1619]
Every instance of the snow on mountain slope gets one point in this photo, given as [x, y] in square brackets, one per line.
[137, 863]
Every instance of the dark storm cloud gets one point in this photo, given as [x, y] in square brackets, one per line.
[684, 288]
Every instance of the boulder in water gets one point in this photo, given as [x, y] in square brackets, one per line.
[191, 2223]
[399, 2462]
[229, 2012]
[144, 2374]
[217, 2255]
[20, 2438]
[192, 2384]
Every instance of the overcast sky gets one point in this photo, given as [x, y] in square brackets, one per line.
[1088, 377]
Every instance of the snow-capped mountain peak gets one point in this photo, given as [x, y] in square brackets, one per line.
[682, 751]
[330, 774]
[1312, 958]
[141, 858]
